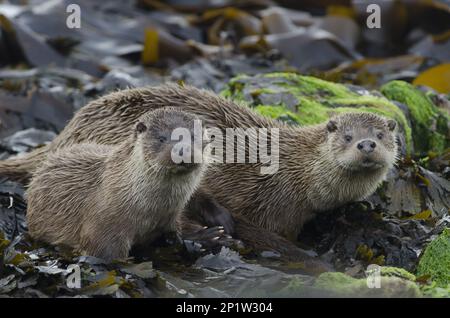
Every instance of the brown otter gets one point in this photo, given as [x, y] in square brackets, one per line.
[321, 166]
[104, 199]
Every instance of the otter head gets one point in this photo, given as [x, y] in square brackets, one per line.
[362, 141]
[168, 140]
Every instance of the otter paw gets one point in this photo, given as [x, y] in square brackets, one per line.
[210, 238]
[211, 212]
[216, 215]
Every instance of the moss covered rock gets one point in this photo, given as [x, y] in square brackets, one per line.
[394, 282]
[343, 285]
[435, 261]
[430, 125]
[432, 290]
[307, 100]
[389, 271]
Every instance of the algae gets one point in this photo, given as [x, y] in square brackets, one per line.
[312, 100]
[389, 271]
[429, 123]
[343, 285]
[317, 100]
[435, 260]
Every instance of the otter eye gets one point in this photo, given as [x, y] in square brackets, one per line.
[348, 138]
[380, 135]
[162, 139]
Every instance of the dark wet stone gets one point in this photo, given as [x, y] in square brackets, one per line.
[12, 209]
[26, 140]
[287, 99]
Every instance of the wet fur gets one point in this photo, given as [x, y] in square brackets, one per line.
[102, 200]
[308, 180]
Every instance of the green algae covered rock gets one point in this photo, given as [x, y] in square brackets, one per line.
[435, 261]
[306, 100]
[432, 290]
[342, 285]
[429, 124]
[389, 271]
[394, 282]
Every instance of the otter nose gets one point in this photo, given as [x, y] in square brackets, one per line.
[367, 146]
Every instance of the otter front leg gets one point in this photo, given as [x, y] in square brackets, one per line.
[204, 208]
[104, 244]
[205, 237]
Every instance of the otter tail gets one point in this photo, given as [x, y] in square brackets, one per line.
[21, 169]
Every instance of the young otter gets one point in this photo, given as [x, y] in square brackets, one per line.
[101, 200]
[319, 169]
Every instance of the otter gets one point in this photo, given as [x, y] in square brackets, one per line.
[102, 200]
[321, 166]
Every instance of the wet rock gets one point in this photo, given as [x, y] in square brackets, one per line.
[24, 42]
[435, 260]
[214, 73]
[317, 99]
[225, 259]
[306, 49]
[397, 272]
[430, 125]
[45, 272]
[238, 278]
[353, 235]
[432, 48]
[39, 109]
[372, 73]
[341, 285]
[12, 209]
[411, 189]
[121, 78]
[343, 26]
[28, 139]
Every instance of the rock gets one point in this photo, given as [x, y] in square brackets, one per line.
[305, 48]
[430, 125]
[411, 189]
[341, 285]
[317, 99]
[435, 261]
[307, 100]
[229, 273]
[397, 272]
[26, 140]
[224, 260]
[214, 73]
[12, 210]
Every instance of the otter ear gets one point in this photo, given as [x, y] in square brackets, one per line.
[140, 128]
[332, 126]
[391, 124]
